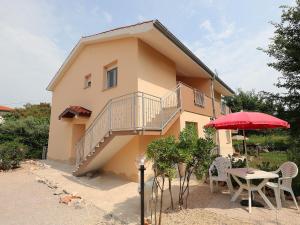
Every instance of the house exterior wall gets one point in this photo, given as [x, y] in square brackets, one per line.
[70, 90]
[124, 162]
[140, 68]
[156, 73]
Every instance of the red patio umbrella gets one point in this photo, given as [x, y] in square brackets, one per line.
[247, 121]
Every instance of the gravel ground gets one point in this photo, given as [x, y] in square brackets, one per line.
[197, 217]
[28, 202]
[27, 198]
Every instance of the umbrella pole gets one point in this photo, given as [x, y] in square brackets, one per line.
[245, 149]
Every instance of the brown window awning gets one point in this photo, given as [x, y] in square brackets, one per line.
[73, 111]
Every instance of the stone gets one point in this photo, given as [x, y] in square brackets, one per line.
[77, 203]
[58, 191]
[52, 185]
[65, 199]
[41, 180]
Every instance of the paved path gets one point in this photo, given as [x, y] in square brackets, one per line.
[25, 201]
[107, 192]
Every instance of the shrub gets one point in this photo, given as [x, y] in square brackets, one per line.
[240, 163]
[267, 166]
[272, 142]
[293, 155]
[30, 131]
[11, 154]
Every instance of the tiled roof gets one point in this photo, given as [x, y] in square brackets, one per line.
[72, 111]
[5, 108]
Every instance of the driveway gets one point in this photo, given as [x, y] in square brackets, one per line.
[25, 201]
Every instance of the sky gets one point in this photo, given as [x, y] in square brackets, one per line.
[36, 36]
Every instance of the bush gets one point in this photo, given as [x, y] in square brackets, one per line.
[31, 132]
[293, 155]
[11, 154]
[272, 142]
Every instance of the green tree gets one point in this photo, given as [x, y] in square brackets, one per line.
[28, 126]
[11, 154]
[285, 49]
[30, 131]
[41, 110]
[254, 102]
[162, 152]
[195, 153]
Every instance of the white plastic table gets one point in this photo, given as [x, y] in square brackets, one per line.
[258, 174]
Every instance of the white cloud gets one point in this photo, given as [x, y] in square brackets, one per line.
[28, 58]
[227, 30]
[141, 18]
[238, 61]
[108, 17]
[206, 24]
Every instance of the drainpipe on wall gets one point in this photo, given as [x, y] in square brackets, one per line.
[212, 89]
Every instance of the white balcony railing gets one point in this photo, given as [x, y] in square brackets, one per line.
[135, 111]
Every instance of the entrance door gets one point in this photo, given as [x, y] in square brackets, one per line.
[78, 131]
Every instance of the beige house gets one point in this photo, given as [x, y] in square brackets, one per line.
[120, 89]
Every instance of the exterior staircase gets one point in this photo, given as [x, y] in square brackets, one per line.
[121, 119]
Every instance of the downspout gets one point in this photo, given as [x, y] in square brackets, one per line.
[212, 89]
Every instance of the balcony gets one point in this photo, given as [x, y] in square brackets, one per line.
[196, 101]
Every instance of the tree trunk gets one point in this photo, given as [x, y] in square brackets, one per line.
[171, 195]
[161, 200]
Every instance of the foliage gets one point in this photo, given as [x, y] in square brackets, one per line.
[267, 166]
[204, 156]
[162, 152]
[187, 145]
[192, 152]
[285, 49]
[252, 101]
[271, 141]
[269, 160]
[11, 154]
[294, 155]
[29, 131]
[41, 110]
[240, 163]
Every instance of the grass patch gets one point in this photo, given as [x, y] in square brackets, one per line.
[274, 158]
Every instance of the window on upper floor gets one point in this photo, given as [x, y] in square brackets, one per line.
[223, 107]
[198, 98]
[112, 77]
[88, 81]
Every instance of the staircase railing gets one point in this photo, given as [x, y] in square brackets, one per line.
[135, 111]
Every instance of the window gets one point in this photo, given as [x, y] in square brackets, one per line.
[88, 81]
[111, 77]
[198, 98]
[223, 107]
[194, 124]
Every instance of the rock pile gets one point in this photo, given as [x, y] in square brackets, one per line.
[65, 197]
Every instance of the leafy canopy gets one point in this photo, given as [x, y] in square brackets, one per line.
[285, 50]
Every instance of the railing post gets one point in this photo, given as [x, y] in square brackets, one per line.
[180, 97]
[133, 111]
[143, 111]
[110, 117]
[162, 114]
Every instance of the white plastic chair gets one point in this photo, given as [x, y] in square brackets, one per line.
[221, 164]
[289, 170]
